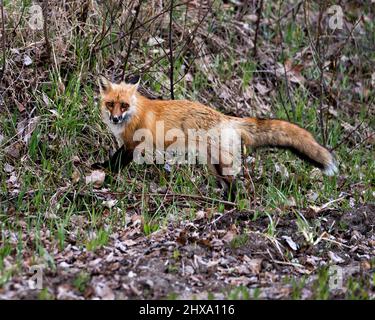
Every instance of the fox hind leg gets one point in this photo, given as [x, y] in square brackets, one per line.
[226, 182]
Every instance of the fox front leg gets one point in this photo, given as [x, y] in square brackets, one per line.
[120, 159]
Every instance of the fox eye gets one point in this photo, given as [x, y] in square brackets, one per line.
[110, 104]
[124, 106]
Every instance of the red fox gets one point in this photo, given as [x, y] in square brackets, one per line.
[125, 111]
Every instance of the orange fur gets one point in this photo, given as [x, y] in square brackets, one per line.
[183, 114]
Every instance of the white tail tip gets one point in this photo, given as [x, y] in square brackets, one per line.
[331, 169]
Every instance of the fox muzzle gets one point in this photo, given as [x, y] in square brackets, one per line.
[116, 119]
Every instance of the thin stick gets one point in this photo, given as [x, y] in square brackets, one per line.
[362, 142]
[321, 70]
[152, 19]
[290, 98]
[172, 195]
[132, 29]
[45, 28]
[3, 39]
[347, 136]
[171, 82]
[259, 15]
[126, 195]
[293, 9]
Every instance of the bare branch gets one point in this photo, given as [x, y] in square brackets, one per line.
[259, 16]
[171, 51]
[45, 28]
[3, 36]
[321, 70]
[290, 97]
[152, 19]
[132, 29]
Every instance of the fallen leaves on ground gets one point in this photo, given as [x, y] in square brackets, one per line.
[194, 258]
[96, 178]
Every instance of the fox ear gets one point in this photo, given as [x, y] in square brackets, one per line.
[135, 84]
[133, 80]
[104, 84]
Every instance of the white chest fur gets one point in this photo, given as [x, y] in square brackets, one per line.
[117, 130]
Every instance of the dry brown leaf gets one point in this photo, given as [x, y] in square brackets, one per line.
[130, 242]
[8, 168]
[96, 178]
[290, 242]
[335, 258]
[136, 219]
[26, 127]
[200, 215]
[12, 179]
[255, 265]
[229, 236]
[110, 203]
[104, 291]
[280, 168]
[182, 237]
[76, 176]
[154, 41]
[20, 106]
[66, 292]
[251, 17]
[262, 89]
[14, 150]
[293, 72]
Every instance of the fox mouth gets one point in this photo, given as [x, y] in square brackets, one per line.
[119, 119]
[116, 120]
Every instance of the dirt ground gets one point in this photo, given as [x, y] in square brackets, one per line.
[206, 258]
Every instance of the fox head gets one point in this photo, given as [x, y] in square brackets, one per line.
[118, 101]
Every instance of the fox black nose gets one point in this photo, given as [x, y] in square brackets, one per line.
[115, 119]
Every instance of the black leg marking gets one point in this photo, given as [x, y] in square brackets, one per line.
[228, 183]
[230, 191]
[119, 160]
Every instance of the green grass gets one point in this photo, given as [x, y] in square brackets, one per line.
[81, 281]
[74, 131]
[77, 132]
[239, 241]
[239, 293]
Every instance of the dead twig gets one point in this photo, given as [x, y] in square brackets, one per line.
[171, 82]
[290, 97]
[132, 29]
[293, 9]
[346, 138]
[318, 49]
[171, 195]
[19, 20]
[3, 40]
[45, 28]
[362, 142]
[259, 16]
[152, 19]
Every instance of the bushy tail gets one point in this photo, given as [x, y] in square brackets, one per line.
[278, 133]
